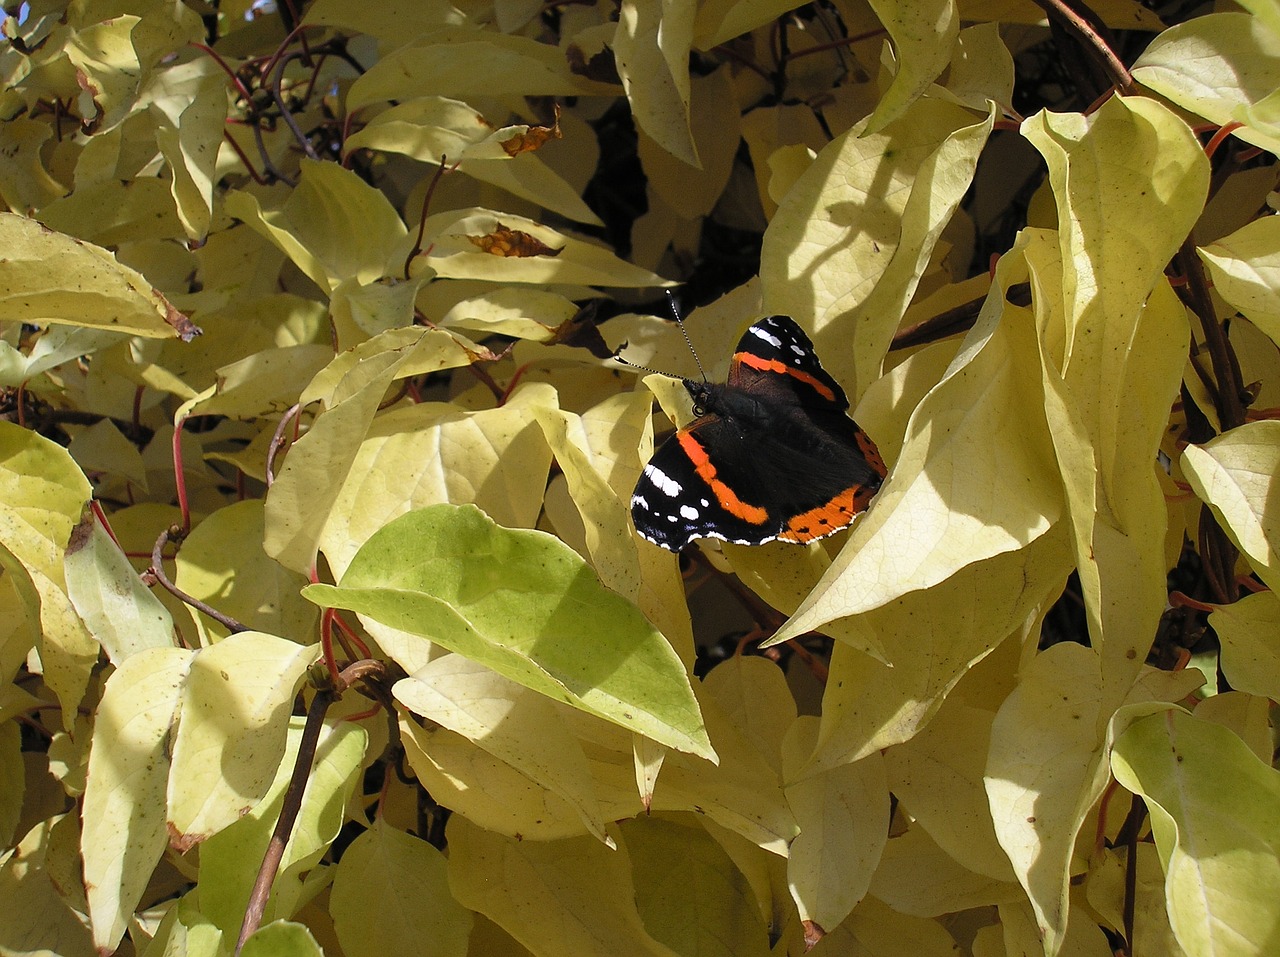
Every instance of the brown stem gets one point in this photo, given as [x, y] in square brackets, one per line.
[1226, 369]
[277, 440]
[157, 572]
[1079, 26]
[288, 814]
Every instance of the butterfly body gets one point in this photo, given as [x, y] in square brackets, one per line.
[771, 455]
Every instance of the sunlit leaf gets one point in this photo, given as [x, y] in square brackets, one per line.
[843, 817]
[1217, 66]
[234, 711]
[50, 277]
[923, 34]
[1249, 631]
[230, 859]
[121, 613]
[1245, 267]
[1234, 475]
[1214, 810]
[851, 238]
[124, 830]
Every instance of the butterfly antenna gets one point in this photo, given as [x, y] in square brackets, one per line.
[675, 311]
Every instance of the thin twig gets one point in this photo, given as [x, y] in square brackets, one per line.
[277, 440]
[1092, 41]
[288, 815]
[292, 804]
[157, 572]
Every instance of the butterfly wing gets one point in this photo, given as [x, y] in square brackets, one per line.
[774, 457]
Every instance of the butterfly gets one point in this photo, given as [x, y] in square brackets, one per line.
[771, 455]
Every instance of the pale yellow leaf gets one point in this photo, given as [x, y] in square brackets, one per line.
[48, 277]
[234, 713]
[919, 878]
[1235, 475]
[517, 726]
[391, 895]
[124, 830]
[1245, 267]
[843, 817]
[923, 35]
[852, 237]
[1249, 631]
[651, 48]
[1217, 66]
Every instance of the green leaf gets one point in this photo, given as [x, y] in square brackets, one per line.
[50, 277]
[1215, 815]
[1234, 474]
[118, 609]
[189, 103]
[125, 830]
[282, 939]
[524, 604]
[232, 721]
[391, 896]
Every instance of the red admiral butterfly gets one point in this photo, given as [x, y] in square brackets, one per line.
[771, 455]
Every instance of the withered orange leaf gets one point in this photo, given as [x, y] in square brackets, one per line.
[533, 137]
[504, 241]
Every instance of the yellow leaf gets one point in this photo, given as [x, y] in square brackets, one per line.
[923, 34]
[852, 237]
[651, 48]
[1217, 66]
[1235, 475]
[1249, 631]
[1245, 267]
[124, 822]
[47, 277]
[573, 896]
[843, 817]
[233, 718]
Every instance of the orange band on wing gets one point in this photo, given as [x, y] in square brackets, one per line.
[707, 472]
[776, 365]
[831, 517]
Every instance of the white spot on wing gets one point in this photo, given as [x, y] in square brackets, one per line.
[663, 482]
[688, 512]
[760, 332]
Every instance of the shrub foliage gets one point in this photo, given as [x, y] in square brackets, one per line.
[325, 626]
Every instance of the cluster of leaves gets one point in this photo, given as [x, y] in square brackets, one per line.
[310, 304]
